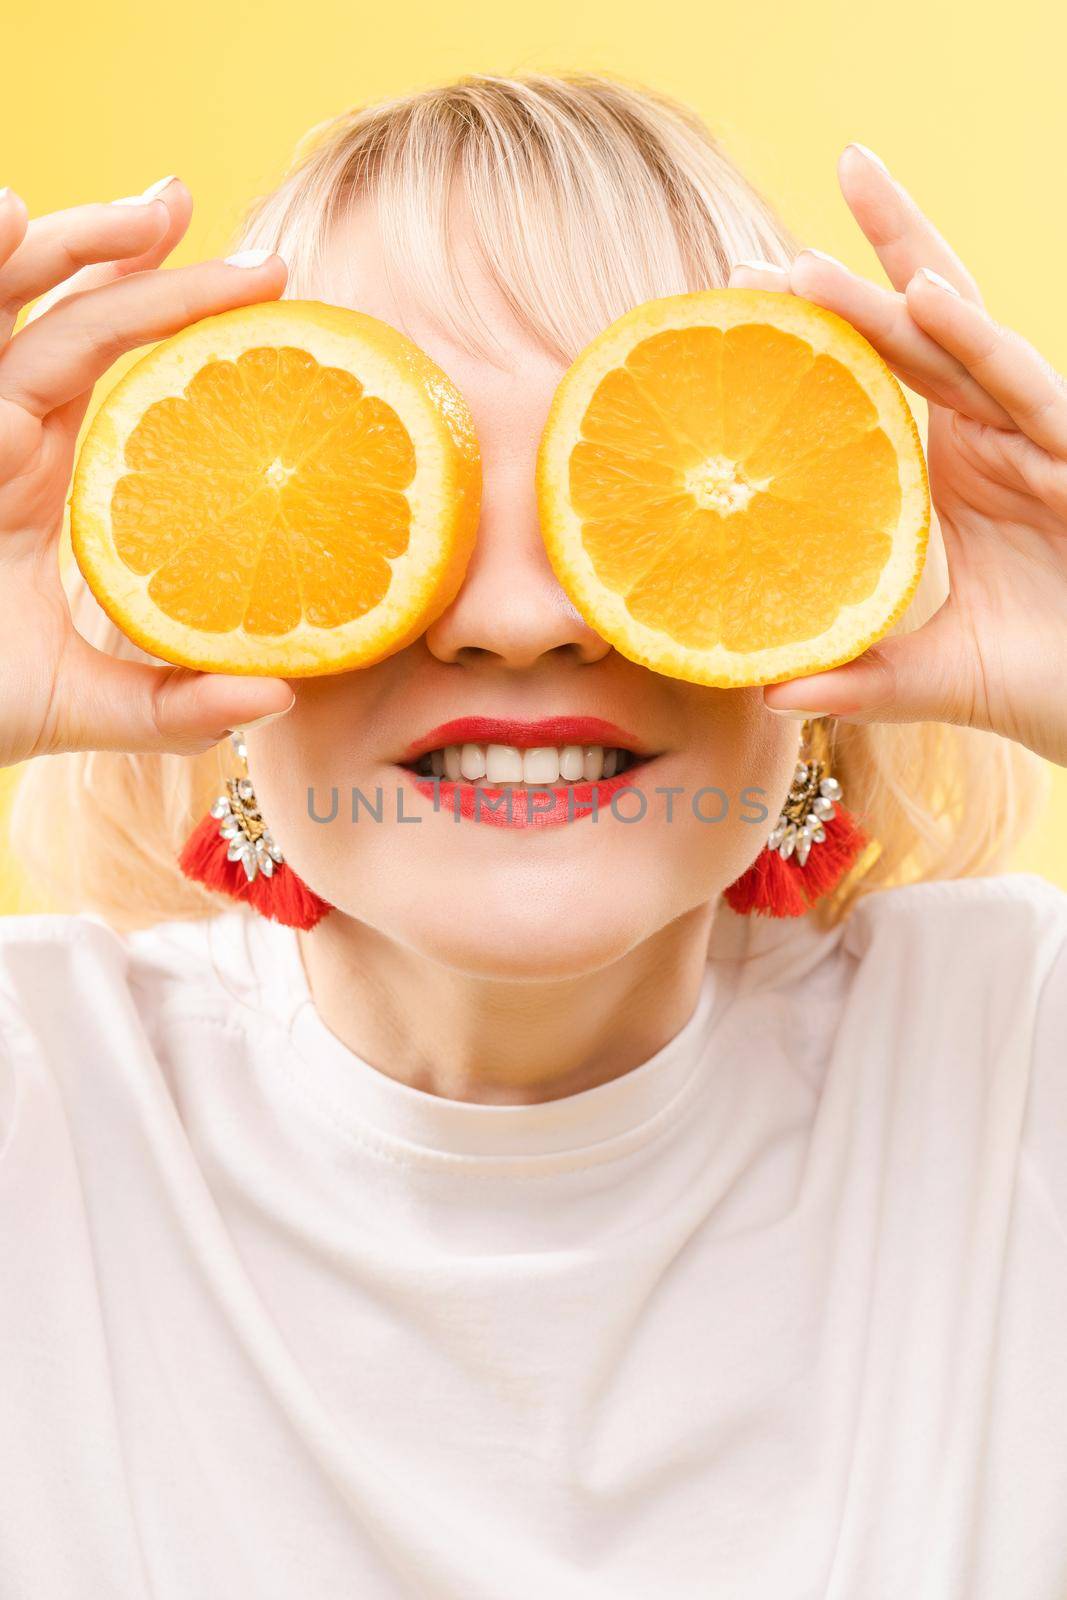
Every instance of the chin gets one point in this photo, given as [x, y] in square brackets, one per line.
[520, 949]
[534, 926]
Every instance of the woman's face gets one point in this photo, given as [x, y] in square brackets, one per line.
[555, 897]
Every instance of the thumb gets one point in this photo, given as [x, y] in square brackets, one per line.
[127, 705]
[911, 677]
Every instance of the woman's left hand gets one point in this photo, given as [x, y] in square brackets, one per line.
[995, 655]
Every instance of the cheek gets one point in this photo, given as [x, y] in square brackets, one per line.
[307, 764]
[741, 752]
[733, 773]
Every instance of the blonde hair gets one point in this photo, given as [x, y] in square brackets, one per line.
[587, 195]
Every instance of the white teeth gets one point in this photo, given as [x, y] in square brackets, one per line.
[571, 762]
[541, 764]
[452, 771]
[503, 763]
[472, 761]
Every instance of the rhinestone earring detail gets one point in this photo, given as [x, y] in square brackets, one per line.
[810, 848]
[232, 851]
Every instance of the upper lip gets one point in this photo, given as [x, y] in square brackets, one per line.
[557, 730]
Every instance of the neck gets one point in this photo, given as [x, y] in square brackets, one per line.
[503, 1041]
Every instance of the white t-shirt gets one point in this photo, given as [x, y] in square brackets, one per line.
[779, 1315]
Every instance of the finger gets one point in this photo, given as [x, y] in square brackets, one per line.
[67, 419]
[1032, 393]
[179, 203]
[68, 349]
[64, 424]
[911, 677]
[884, 319]
[58, 245]
[14, 220]
[126, 705]
[758, 275]
[1023, 483]
[903, 238]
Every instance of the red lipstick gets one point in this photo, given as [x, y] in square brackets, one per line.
[518, 805]
[557, 730]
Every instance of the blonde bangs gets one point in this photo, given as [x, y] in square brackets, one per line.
[587, 195]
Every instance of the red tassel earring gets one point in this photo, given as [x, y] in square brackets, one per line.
[232, 852]
[811, 847]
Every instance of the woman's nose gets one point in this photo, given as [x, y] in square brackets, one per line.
[511, 605]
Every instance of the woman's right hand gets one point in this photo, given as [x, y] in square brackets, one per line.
[100, 262]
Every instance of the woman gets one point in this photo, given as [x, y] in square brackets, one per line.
[536, 1225]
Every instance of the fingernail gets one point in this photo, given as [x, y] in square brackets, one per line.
[791, 711]
[758, 266]
[146, 197]
[248, 258]
[822, 256]
[257, 722]
[158, 187]
[935, 278]
[865, 151]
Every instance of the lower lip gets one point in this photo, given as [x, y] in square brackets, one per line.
[569, 803]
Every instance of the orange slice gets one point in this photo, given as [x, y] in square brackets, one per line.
[289, 488]
[732, 489]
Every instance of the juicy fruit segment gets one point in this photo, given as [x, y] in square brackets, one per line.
[280, 459]
[758, 471]
[724, 498]
[288, 488]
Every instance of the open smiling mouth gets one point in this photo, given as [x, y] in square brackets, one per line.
[492, 764]
[528, 783]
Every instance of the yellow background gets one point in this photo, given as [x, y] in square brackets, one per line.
[100, 100]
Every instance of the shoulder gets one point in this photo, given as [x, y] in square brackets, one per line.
[75, 984]
[983, 962]
[961, 982]
[913, 941]
[984, 953]
[1023, 897]
[91, 1014]
[39, 952]
[1013, 923]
